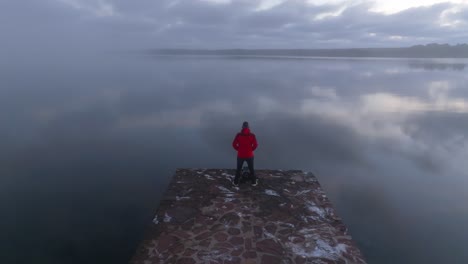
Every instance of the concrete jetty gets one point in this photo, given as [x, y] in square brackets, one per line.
[287, 218]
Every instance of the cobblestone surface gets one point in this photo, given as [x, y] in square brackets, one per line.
[287, 218]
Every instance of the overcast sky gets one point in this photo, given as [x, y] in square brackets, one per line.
[136, 24]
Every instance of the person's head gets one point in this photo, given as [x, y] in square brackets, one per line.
[245, 124]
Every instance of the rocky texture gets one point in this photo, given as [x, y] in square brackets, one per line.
[285, 219]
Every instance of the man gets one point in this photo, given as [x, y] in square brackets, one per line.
[245, 143]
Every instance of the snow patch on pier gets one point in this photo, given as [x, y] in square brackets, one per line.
[271, 192]
[167, 218]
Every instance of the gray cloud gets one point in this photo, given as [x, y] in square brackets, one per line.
[119, 24]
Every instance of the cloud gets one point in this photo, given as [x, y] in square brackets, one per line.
[100, 8]
[117, 24]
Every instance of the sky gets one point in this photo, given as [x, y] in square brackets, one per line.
[143, 24]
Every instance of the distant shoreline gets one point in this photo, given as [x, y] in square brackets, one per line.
[283, 57]
[419, 51]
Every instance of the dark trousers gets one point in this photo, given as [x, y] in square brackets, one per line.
[250, 163]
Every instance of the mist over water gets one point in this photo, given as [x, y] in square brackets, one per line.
[86, 151]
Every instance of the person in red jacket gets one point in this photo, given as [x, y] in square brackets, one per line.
[245, 143]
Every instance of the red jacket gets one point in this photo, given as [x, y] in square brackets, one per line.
[245, 143]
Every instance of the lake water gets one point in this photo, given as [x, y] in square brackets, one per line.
[88, 145]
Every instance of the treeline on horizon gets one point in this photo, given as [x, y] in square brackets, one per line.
[432, 50]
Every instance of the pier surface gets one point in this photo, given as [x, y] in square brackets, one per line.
[287, 218]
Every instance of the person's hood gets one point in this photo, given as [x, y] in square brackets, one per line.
[245, 130]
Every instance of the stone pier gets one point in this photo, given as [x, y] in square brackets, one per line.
[287, 218]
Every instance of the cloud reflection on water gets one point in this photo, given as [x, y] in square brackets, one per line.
[388, 146]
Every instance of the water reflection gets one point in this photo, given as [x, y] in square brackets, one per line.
[431, 66]
[86, 152]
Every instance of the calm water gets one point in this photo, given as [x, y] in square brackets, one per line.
[88, 145]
